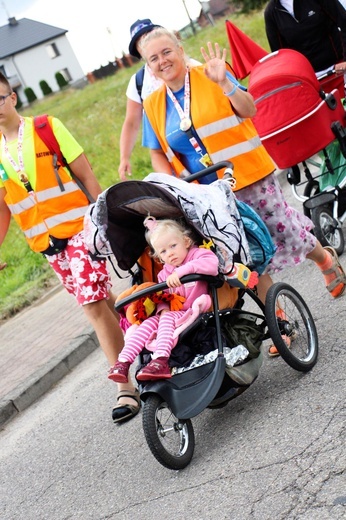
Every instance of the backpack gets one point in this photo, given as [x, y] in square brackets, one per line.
[261, 245]
[139, 80]
[46, 134]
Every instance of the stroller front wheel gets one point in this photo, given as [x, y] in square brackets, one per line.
[327, 230]
[295, 322]
[170, 440]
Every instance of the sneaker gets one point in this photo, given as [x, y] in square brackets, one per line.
[157, 369]
[119, 372]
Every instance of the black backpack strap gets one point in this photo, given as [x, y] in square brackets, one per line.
[139, 81]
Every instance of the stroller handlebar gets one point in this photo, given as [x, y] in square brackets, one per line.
[211, 169]
[217, 281]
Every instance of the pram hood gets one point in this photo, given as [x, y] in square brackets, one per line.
[291, 106]
[209, 209]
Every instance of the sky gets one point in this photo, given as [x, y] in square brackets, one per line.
[100, 32]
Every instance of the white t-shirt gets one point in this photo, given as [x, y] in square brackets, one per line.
[288, 5]
[150, 83]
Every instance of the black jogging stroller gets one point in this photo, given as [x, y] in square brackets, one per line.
[219, 356]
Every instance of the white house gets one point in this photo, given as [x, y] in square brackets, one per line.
[32, 51]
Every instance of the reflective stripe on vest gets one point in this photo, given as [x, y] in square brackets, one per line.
[54, 221]
[42, 196]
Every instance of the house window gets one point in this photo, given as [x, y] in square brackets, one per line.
[66, 74]
[53, 50]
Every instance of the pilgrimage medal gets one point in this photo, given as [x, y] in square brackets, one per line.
[184, 115]
[23, 176]
[185, 124]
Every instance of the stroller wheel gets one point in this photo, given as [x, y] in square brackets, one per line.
[171, 440]
[296, 322]
[327, 230]
[311, 189]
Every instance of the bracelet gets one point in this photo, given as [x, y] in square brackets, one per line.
[232, 91]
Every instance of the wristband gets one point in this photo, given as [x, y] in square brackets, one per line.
[232, 91]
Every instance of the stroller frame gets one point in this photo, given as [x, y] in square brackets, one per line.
[326, 208]
[170, 404]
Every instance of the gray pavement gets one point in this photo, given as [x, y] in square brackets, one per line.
[40, 345]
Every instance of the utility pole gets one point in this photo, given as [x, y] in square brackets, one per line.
[191, 22]
[5, 9]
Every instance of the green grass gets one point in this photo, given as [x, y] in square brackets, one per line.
[95, 116]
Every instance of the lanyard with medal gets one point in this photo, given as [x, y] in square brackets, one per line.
[19, 168]
[186, 123]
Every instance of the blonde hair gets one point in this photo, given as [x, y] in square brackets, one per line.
[157, 33]
[167, 226]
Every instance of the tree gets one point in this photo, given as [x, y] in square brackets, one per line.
[46, 90]
[19, 102]
[30, 94]
[248, 5]
[61, 81]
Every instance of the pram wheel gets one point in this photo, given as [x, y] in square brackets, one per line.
[296, 322]
[171, 440]
[327, 230]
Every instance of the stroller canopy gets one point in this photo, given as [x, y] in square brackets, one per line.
[209, 209]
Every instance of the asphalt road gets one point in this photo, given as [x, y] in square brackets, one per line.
[275, 452]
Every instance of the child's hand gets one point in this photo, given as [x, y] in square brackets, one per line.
[173, 280]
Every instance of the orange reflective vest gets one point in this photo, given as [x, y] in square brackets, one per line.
[51, 210]
[226, 136]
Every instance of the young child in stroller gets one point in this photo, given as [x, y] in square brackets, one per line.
[174, 246]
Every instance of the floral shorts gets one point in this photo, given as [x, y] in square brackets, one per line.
[289, 229]
[88, 280]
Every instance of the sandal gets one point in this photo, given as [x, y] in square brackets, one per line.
[273, 351]
[337, 269]
[125, 412]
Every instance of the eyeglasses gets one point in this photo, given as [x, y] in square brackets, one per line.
[3, 98]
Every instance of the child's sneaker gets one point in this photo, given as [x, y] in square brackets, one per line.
[119, 372]
[157, 369]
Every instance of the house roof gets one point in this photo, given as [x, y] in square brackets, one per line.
[20, 35]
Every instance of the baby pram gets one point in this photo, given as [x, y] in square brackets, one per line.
[170, 404]
[297, 117]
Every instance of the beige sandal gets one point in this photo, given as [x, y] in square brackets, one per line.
[125, 412]
[336, 269]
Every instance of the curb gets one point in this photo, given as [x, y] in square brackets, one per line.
[47, 376]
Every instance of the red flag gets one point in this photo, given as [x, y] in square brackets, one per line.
[244, 51]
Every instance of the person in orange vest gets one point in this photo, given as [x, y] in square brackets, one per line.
[202, 116]
[49, 208]
[141, 84]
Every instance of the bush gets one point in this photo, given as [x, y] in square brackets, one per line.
[250, 5]
[46, 90]
[61, 81]
[19, 102]
[30, 94]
